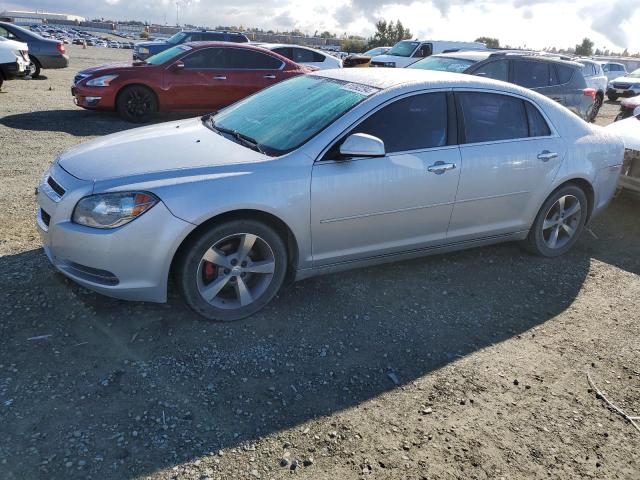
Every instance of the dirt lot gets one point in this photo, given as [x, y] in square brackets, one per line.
[465, 366]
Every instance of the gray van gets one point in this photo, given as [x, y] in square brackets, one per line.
[43, 52]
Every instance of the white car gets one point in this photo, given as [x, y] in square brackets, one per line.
[629, 130]
[305, 55]
[406, 52]
[14, 59]
[596, 79]
[626, 86]
[613, 70]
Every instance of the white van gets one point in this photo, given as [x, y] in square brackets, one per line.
[406, 52]
[14, 59]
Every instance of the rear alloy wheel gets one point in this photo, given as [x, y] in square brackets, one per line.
[559, 222]
[137, 104]
[233, 270]
[612, 96]
[594, 109]
[35, 68]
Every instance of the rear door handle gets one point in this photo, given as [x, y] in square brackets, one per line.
[546, 155]
[269, 76]
[220, 77]
[440, 167]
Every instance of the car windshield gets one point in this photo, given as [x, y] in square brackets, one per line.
[403, 49]
[634, 74]
[281, 118]
[375, 51]
[167, 55]
[443, 64]
[177, 38]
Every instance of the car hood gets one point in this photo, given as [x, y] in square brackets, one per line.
[631, 102]
[629, 130]
[626, 79]
[179, 145]
[110, 67]
[150, 44]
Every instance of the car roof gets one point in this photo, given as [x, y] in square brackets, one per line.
[212, 31]
[214, 43]
[386, 78]
[479, 55]
[475, 55]
[270, 46]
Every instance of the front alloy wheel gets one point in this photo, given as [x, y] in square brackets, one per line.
[232, 270]
[137, 104]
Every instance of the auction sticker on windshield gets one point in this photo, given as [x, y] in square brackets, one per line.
[360, 88]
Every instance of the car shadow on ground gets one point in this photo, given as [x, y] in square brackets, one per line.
[78, 122]
[188, 387]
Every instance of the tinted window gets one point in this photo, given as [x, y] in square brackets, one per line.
[412, 123]
[617, 68]
[564, 73]
[206, 58]
[531, 74]
[251, 60]
[7, 34]
[489, 117]
[537, 124]
[212, 36]
[285, 52]
[443, 64]
[301, 55]
[497, 70]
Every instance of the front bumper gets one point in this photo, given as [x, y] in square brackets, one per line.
[131, 262]
[623, 91]
[97, 98]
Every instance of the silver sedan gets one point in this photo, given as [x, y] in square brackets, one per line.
[324, 172]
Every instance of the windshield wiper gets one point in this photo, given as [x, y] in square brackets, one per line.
[240, 137]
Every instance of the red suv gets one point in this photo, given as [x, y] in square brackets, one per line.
[192, 77]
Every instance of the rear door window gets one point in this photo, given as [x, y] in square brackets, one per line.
[492, 117]
[241, 59]
[565, 73]
[413, 123]
[538, 126]
[285, 52]
[498, 70]
[531, 74]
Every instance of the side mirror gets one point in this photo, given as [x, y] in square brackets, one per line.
[362, 145]
[178, 66]
[636, 112]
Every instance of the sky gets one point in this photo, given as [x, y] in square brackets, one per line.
[524, 23]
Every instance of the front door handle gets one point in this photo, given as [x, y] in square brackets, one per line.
[546, 155]
[440, 167]
[270, 76]
[220, 77]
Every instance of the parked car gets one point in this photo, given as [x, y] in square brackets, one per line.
[629, 130]
[406, 52]
[144, 50]
[321, 173]
[613, 70]
[14, 59]
[363, 60]
[192, 77]
[557, 79]
[628, 107]
[305, 55]
[596, 79]
[625, 86]
[43, 53]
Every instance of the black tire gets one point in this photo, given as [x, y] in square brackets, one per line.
[188, 268]
[595, 108]
[137, 104]
[612, 96]
[35, 67]
[536, 242]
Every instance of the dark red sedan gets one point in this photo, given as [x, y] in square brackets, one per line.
[192, 77]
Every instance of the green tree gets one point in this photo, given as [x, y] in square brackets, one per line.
[327, 34]
[489, 42]
[388, 34]
[585, 49]
[353, 46]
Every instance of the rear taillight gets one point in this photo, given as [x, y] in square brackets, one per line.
[60, 47]
[589, 92]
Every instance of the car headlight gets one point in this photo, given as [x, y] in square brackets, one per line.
[143, 50]
[103, 81]
[112, 210]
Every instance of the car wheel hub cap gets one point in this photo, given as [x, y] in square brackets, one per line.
[235, 271]
[561, 222]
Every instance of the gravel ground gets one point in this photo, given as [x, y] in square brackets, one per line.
[466, 366]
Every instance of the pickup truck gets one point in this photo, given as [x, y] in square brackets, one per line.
[144, 50]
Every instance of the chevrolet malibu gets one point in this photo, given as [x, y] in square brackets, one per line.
[322, 173]
[191, 77]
